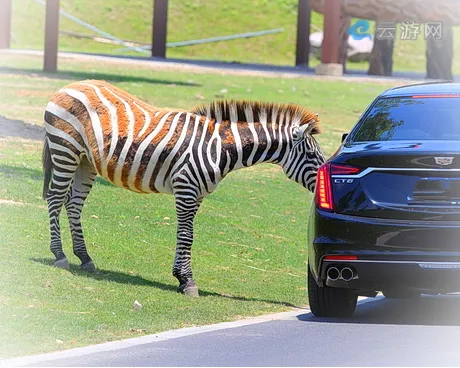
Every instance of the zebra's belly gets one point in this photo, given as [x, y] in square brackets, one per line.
[167, 189]
[138, 181]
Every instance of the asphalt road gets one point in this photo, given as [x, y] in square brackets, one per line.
[382, 333]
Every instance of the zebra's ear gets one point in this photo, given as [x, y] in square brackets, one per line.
[301, 131]
[308, 128]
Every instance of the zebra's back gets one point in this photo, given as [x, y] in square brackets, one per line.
[127, 140]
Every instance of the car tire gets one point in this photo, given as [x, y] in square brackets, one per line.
[401, 294]
[330, 302]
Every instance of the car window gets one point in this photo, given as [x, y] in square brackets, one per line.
[408, 118]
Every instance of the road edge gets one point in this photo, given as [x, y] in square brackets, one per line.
[161, 336]
[148, 339]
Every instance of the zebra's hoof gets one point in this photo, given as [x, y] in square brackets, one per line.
[189, 289]
[88, 267]
[62, 263]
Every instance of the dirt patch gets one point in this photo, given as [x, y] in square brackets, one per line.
[20, 129]
[12, 203]
[197, 66]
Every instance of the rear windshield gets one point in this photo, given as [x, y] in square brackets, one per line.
[407, 118]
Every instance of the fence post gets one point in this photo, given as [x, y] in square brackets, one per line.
[159, 29]
[5, 24]
[302, 56]
[51, 36]
[330, 56]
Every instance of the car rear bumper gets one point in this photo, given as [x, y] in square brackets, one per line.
[375, 275]
[389, 254]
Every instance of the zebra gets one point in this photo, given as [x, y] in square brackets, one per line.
[94, 128]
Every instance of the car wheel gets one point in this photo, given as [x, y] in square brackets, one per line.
[330, 302]
[401, 294]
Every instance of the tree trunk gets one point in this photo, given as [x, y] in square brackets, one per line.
[381, 58]
[345, 23]
[439, 55]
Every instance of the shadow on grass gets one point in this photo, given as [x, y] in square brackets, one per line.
[34, 174]
[21, 172]
[20, 129]
[80, 75]
[124, 278]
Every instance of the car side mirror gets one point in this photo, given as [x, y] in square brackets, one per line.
[344, 136]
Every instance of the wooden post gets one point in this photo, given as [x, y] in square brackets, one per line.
[330, 55]
[440, 54]
[331, 39]
[160, 27]
[381, 59]
[5, 24]
[51, 36]
[345, 22]
[302, 56]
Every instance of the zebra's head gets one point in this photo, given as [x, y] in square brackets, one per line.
[305, 155]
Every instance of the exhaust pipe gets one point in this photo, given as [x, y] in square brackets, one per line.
[347, 274]
[333, 273]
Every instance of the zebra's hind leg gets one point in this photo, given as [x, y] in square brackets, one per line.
[78, 192]
[60, 179]
[186, 209]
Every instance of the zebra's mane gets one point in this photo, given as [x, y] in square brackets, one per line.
[226, 110]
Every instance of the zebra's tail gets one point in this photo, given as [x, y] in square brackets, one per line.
[47, 167]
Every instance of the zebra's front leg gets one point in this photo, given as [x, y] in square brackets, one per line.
[78, 192]
[186, 209]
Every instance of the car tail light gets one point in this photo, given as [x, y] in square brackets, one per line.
[323, 188]
[338, 169]
[341, 258]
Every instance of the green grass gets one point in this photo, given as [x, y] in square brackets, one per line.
[250, 252]
[196, 19]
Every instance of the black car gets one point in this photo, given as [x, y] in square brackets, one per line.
[386, 213]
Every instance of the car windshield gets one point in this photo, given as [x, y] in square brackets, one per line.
[411, 118]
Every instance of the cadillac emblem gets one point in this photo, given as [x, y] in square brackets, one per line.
[443, 160]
